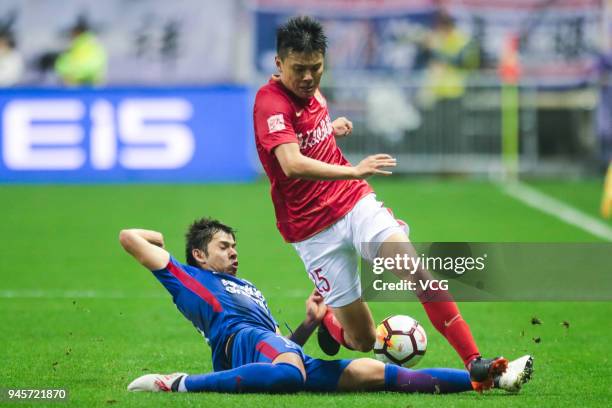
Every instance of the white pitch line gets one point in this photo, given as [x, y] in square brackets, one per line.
[558, 209]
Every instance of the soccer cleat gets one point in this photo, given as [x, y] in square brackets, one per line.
[518, 373]
[484, 370]
[326, 342]
[157, 382]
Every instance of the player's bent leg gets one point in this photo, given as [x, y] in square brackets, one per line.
[355, 319]
[269, 369]
[293, 359]
[279, 377]
[333, 267]
[262, 361]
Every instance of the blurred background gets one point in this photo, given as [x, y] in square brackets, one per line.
[150, 90]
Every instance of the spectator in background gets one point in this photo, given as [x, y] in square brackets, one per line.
[85, 61]
[11, 63]
[450, 54]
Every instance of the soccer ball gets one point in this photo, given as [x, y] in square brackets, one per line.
[400, 340]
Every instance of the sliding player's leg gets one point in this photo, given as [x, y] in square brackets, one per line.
[256, 377]
[284, 374]
[366, 374]
[262, 361]
[322, 376]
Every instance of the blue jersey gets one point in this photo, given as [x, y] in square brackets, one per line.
[217, 304]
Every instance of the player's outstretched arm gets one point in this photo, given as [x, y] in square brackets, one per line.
[315, 311]
[296, 165]
[146, 246]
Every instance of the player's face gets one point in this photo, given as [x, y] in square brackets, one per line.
[222, 254]
[301, 72]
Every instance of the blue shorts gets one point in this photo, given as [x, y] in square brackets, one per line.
[254, 345]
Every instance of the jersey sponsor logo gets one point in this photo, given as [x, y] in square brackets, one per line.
[315, 136]
[276, 123]
[245, 290]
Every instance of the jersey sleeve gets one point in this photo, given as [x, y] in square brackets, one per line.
[176, 280]
[273, 116]
[169, 280]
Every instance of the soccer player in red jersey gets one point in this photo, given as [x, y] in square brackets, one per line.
[327, 210]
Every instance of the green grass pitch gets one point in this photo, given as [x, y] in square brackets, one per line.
[78, 313]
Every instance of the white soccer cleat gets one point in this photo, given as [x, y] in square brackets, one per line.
[156, 382]
[519, 371]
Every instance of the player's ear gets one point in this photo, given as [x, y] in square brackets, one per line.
[199, 256]
[277, 62]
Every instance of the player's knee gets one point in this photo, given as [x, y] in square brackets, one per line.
[363, 374]
[286, 378]
[365, 346]
[364, 342]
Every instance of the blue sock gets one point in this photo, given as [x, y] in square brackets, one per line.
[428, 381]
[255, 377]
[450, 379]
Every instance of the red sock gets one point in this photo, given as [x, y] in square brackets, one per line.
[447, 320]
[335, 330]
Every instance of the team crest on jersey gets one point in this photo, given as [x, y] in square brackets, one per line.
[276, 123]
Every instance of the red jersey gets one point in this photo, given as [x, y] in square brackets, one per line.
[303, 207]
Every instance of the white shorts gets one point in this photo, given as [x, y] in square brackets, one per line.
[331, 257]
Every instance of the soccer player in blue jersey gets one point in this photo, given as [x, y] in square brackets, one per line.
[249, 354]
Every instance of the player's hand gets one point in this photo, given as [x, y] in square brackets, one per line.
[342, 127]
[374, 164]
[315, 308]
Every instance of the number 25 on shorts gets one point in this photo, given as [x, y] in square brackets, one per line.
[320, 282]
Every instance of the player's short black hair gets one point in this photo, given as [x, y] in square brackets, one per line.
[199, 235]
[300, 34]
